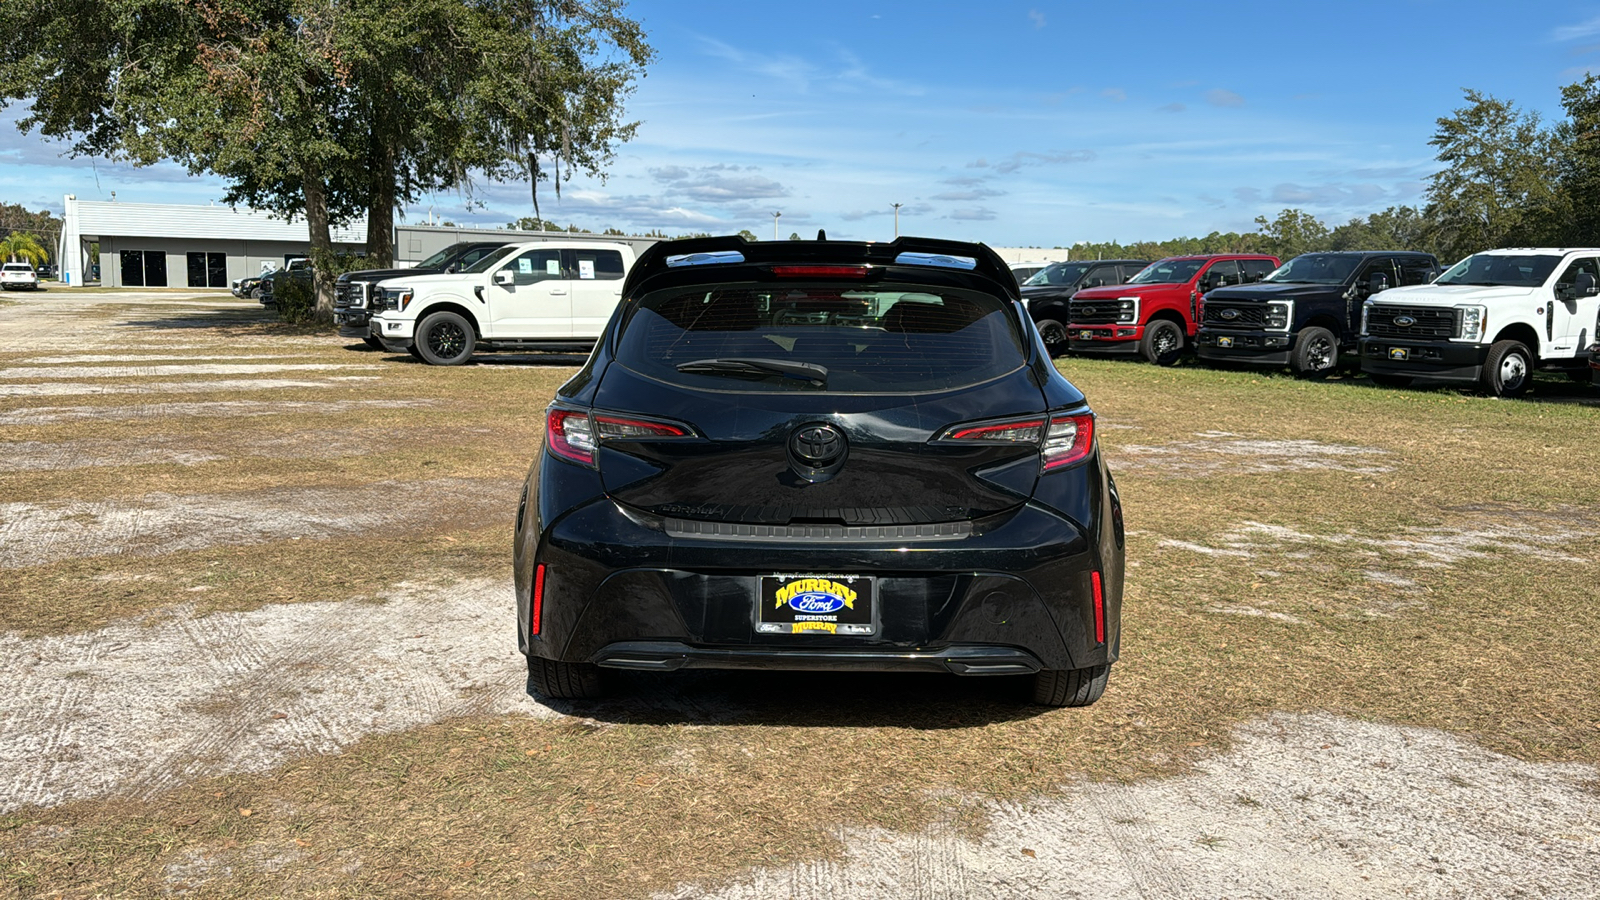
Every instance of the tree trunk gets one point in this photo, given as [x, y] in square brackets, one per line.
[321, 245]
[380, 213]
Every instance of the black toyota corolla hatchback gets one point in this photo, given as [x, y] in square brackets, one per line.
[820, 455]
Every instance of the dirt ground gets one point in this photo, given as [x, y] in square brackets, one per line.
[1360, 654]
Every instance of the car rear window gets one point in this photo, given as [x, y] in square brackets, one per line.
[887, 339]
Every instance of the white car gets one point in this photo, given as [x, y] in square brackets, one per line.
[18, 276]
[532, 295]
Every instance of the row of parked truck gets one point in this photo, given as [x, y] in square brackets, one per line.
[1491, 321]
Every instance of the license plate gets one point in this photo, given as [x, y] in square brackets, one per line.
[1224, 342]
[1399, 353]
[1086, 334]
[829, 604]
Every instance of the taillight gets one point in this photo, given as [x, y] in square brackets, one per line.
[1062, 439]
[573, 435]
[1069, 440]
[536, 613]
[820, 271]
[570, 435]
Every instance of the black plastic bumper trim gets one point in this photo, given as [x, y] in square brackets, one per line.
[669, 656]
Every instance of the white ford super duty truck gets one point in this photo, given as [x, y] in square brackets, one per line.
[1490, 321]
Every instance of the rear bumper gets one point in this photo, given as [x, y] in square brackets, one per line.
[670, 656]
[1262, 348]
[1444, 362]
[1013, 597]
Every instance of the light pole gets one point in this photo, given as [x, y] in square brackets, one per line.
[897, 217]
[775, 225]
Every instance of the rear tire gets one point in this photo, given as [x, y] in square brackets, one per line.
[1070, 687]
[1162, 343]
[1054, 335]
[445, 339]
[1316, 353]
[373, 342]
[557, 680]
[1508, 370]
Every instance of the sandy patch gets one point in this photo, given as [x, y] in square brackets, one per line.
[68, 388]
[1310, 806]
[138, 707]
[51, 415]
[1225, 453]
[33, 534]
[83, 358]
[191, 450]
[169, 370]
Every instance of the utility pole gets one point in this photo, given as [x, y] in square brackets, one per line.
[775, 225]
[897, 218]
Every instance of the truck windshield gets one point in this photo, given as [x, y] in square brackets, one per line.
[1498, 269]
[1168, 271]
[490, 261]
[438, 260]
[1315, 268]
[1057, 273]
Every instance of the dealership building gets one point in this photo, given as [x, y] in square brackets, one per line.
[160, 245]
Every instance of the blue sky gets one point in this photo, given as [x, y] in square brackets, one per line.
[1014, 123]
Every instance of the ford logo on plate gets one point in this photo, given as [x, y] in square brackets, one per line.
[816, 602]
[1405, 321]
[1229, 314]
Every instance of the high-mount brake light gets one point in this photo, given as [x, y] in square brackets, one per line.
[1069, 440]
[570, 435]
[610, 427]
[820, 271]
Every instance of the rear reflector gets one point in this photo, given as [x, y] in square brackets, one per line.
[537, 613]
[820, 271]
[1099, 607]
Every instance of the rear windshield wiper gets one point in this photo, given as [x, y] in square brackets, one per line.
[757, 367]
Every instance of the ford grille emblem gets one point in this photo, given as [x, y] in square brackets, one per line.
[1229, 314]
[1404, 321]
[1088, 310]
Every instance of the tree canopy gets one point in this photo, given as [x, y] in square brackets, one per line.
[331, 108]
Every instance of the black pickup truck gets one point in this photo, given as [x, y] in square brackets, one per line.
[1047, 293]
[1307, 312]
[354, 292]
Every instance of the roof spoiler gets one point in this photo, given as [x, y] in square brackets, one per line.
[735, 250]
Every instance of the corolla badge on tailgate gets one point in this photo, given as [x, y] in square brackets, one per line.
[816, 595]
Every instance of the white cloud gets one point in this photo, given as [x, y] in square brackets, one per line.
[1036, 17]
[1220, 97]
[1586, 28]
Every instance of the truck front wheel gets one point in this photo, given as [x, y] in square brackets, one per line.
[1508, 369]
[1054, 335]
[1316, 353]
[1162, 342]
[445, 339]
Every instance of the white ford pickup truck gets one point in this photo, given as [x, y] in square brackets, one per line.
[1490, 321]
[534, 295]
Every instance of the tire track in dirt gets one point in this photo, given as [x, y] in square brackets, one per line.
[141, 706]
[33, 534]
[52, 372]
[1313, 806]
[53, 415]
[73, 388]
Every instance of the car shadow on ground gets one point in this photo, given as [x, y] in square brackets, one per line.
[923, 701]
[218, 319]
[1547, 388]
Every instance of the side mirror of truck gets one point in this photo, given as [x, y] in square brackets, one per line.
[505, 278]
[1378, 283]
[1586, 285]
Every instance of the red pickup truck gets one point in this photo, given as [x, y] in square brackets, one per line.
[1156, 313]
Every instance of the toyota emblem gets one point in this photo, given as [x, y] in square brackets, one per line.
[817, 445]
[1405, 321]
